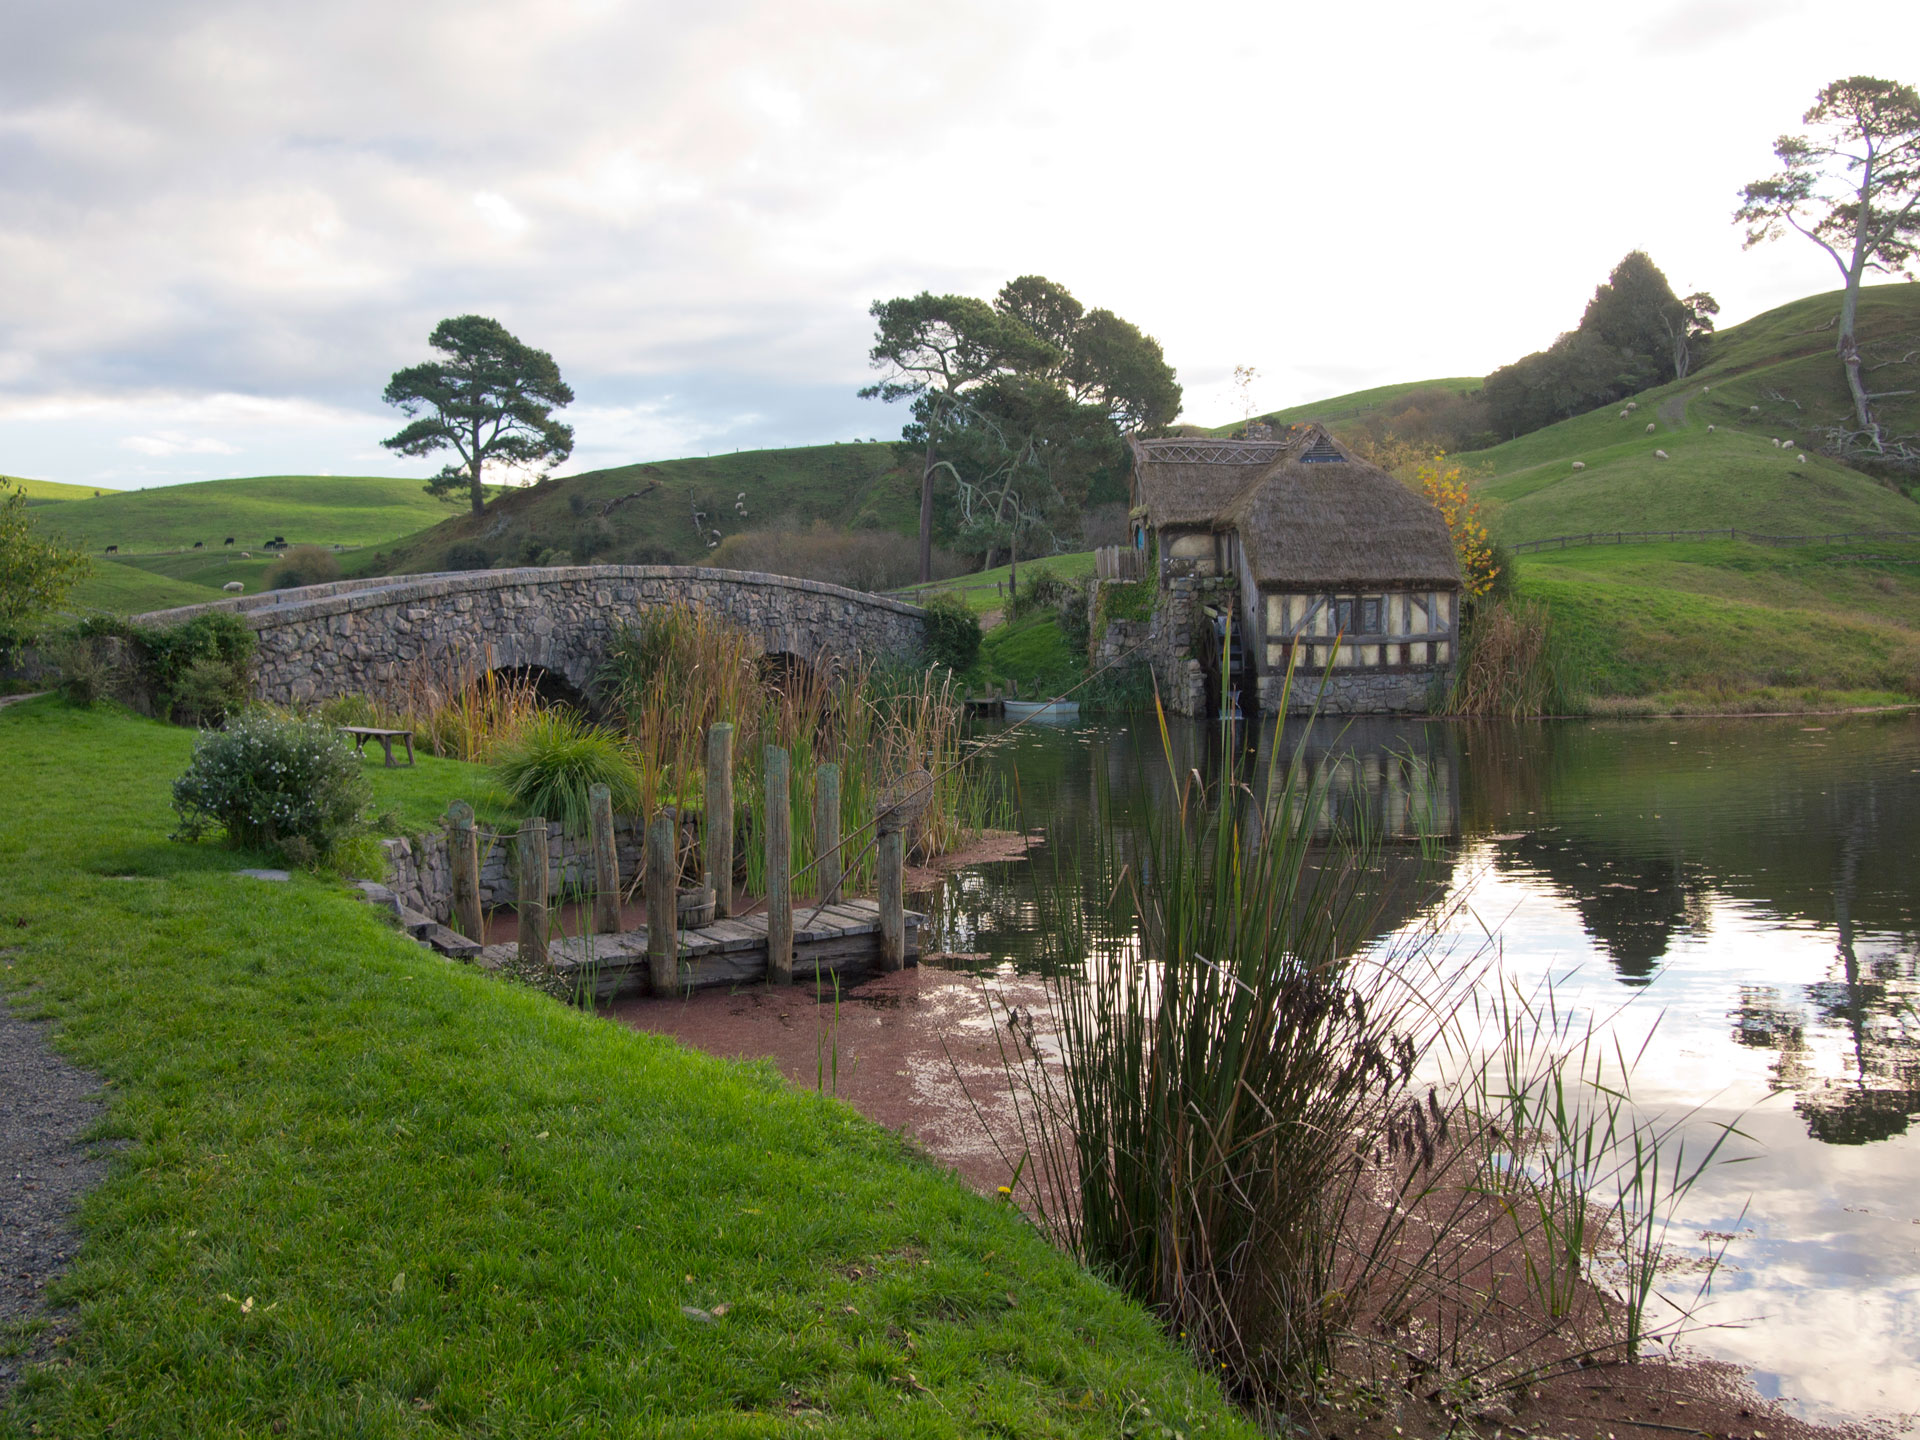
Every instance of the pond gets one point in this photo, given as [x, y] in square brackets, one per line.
[1741, 895]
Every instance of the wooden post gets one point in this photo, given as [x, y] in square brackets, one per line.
[663, 901]
[718, 844]
[606, 862]
[463, 851]
[893, 915]
[532, 859]
[827, 866]
[779, 870]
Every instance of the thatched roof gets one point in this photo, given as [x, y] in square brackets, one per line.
[1308, 513]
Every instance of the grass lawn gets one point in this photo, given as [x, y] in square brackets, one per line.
[362, 1190]
[1032, 652]
[306, 509]
[210, 568]
[1724, 626]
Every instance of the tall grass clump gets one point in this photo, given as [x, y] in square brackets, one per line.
[550, 762]
[1509, 665]
[1314, 1154]
[461, 709]
[676, 672]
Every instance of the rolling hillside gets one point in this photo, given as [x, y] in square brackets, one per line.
[306, 509]
[644, 514]
[129, 590]
[46, 491]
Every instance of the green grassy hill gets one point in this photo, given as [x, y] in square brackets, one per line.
[1342, 410]
[130, 590]
[47, 491]
[306, 509]
[644, 514]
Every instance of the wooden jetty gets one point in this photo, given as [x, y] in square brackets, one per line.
[844, 936]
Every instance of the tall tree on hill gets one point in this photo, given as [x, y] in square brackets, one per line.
[934, 350]
[1851, 185]
[1030, 396]
[491, 398]
[1634, 333]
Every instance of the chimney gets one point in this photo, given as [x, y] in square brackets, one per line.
[1259, 430]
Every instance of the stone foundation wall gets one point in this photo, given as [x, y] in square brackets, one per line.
[378, 636]
[1358, 692]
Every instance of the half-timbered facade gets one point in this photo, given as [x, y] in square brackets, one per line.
[1326, 563]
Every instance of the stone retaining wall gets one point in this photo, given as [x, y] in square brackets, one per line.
[1357, 692]
[420, 873]
[377, 636]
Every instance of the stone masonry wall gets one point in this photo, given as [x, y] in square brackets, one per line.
[420, 873]
[1357, 692]
[374, 636]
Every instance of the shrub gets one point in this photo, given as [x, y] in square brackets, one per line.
[953, 633]
[86, 667]
[553, 760]
[162, 659]
[273, 783]
[468, 556]
[303, 565]
[1040, 589]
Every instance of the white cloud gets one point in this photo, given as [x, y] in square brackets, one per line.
[176, 444]
[692, 208]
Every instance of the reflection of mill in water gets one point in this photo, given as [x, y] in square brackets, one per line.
[1389, 782]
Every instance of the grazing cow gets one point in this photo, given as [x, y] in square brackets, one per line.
[113, 549]
[1649, 427]
[1579, 464]
[1660, 455]
[199, 544]
[227, 541]
[234, 587]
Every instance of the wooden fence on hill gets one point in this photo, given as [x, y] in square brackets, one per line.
[1657, 537]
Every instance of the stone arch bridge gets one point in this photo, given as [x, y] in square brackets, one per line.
[375, 636]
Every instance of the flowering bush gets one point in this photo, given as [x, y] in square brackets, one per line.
[273, 783]
[1446, 486]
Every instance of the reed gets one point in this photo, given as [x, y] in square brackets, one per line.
[1312, 1152]
[680, 670]
[1509, 665]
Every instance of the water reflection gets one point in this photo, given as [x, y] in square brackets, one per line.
[1750, 883]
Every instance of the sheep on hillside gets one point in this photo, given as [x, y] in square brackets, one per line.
[1579, 464]
[1649, 427]
[1660, 455]
[1709, 429]
[1753, 409]
[1774, 441]
[1803, 459]
[1633, 404]
[1623, 414]
[234, 587]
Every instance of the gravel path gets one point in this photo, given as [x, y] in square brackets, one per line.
[45, 1104]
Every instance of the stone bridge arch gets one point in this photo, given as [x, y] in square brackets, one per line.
[374, 636]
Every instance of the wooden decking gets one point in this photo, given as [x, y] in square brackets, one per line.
[843, 936]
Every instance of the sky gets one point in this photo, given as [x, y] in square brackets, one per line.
[225, 223]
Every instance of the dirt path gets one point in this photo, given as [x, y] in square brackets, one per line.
[1673, 411]
[45, 1104]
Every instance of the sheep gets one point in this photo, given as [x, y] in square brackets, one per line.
[1660, 455]
[1633, 404]
[235, 587]
[1753, 409]
[1709, 429]
[246, 554]
[1774, 441]
[1579, 464]
[1803, 459]
[1705, 388]
[1623, 414]
[1649, 427]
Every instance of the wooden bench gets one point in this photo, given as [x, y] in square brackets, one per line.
[363, 733]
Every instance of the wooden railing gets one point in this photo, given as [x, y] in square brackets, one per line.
[1120, 562]
[1657, 537]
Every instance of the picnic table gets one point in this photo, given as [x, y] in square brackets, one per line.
[363, 733]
